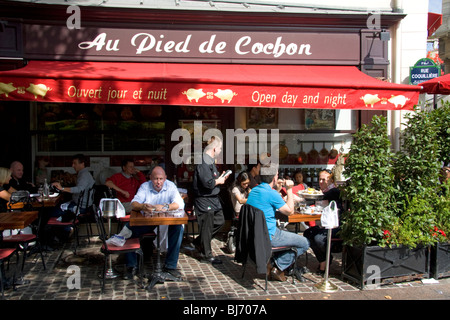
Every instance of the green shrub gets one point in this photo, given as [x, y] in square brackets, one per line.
[397, 199]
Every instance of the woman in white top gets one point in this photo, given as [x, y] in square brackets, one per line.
[239, 192]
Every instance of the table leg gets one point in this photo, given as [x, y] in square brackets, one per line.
[156, 277]
[19, 280]
[326, 285]
[110, 273]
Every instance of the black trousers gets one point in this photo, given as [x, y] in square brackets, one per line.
[318, 241]
[209, 223]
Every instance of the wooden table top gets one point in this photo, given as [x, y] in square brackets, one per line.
[17, 220]
[52, 202]
[298, 217]
[139, 219]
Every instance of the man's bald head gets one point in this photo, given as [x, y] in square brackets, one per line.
[16, 170]
[158, 177]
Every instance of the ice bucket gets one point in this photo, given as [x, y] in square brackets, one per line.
[109, 208]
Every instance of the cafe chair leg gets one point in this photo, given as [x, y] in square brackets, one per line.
[5, 254]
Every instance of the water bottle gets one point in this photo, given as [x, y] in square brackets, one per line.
[46, 189]
[41, 192]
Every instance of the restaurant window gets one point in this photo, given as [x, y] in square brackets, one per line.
[309, 139]
[99, 128]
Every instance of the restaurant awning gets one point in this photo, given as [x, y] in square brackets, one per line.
[434, 22]
[233, 85]
[438, 85]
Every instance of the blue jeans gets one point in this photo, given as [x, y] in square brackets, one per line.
[285, 238]
[175, 237]
[58, 212]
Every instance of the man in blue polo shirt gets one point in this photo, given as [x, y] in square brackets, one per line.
[268, 200]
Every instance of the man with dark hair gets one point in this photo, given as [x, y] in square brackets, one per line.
[126, 183]
[206, 184]
[268, 200]
[253, 172]
[85, 181]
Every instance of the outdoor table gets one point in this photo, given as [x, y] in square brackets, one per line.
[298, 217]
[17, 220]
[157, 218]
[50, 202]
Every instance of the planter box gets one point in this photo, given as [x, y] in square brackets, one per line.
[374, 264]
[440, 260]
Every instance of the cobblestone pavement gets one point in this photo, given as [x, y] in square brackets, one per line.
[200, 281]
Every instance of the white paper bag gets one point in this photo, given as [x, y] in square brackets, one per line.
[329, 218]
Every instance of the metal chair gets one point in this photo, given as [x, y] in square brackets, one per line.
[54, 222]
[131, 245]
[87, 216]
[252, 233]
[5, 254]
[22, 242]
[192, 220]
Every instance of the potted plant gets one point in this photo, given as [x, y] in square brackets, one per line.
[369, 189]
[440, 252]
[393, 210]
[369, 251]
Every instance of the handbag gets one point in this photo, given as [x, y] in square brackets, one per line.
[20, 196]
[329, 218]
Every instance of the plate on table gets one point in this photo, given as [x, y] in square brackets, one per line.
[311, 211]
[311, 195]
[53, 195]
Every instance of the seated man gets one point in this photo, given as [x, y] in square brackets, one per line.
[17, 181]
[158, 194]
[126, 183]
[268, 200]
[84, 182]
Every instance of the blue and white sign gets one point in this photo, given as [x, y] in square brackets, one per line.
[424, 69]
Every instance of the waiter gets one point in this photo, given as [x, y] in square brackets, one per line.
[206, 184]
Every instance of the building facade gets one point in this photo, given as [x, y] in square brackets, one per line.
[116, 65]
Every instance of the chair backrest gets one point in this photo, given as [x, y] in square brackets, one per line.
[80, 202]
[253, 238]
[91, 196]
[100, 225]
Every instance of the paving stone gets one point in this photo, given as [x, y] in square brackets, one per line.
[200, 281]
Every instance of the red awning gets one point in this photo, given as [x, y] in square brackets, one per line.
[234, 85]
[434, 22]
[438, 85]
